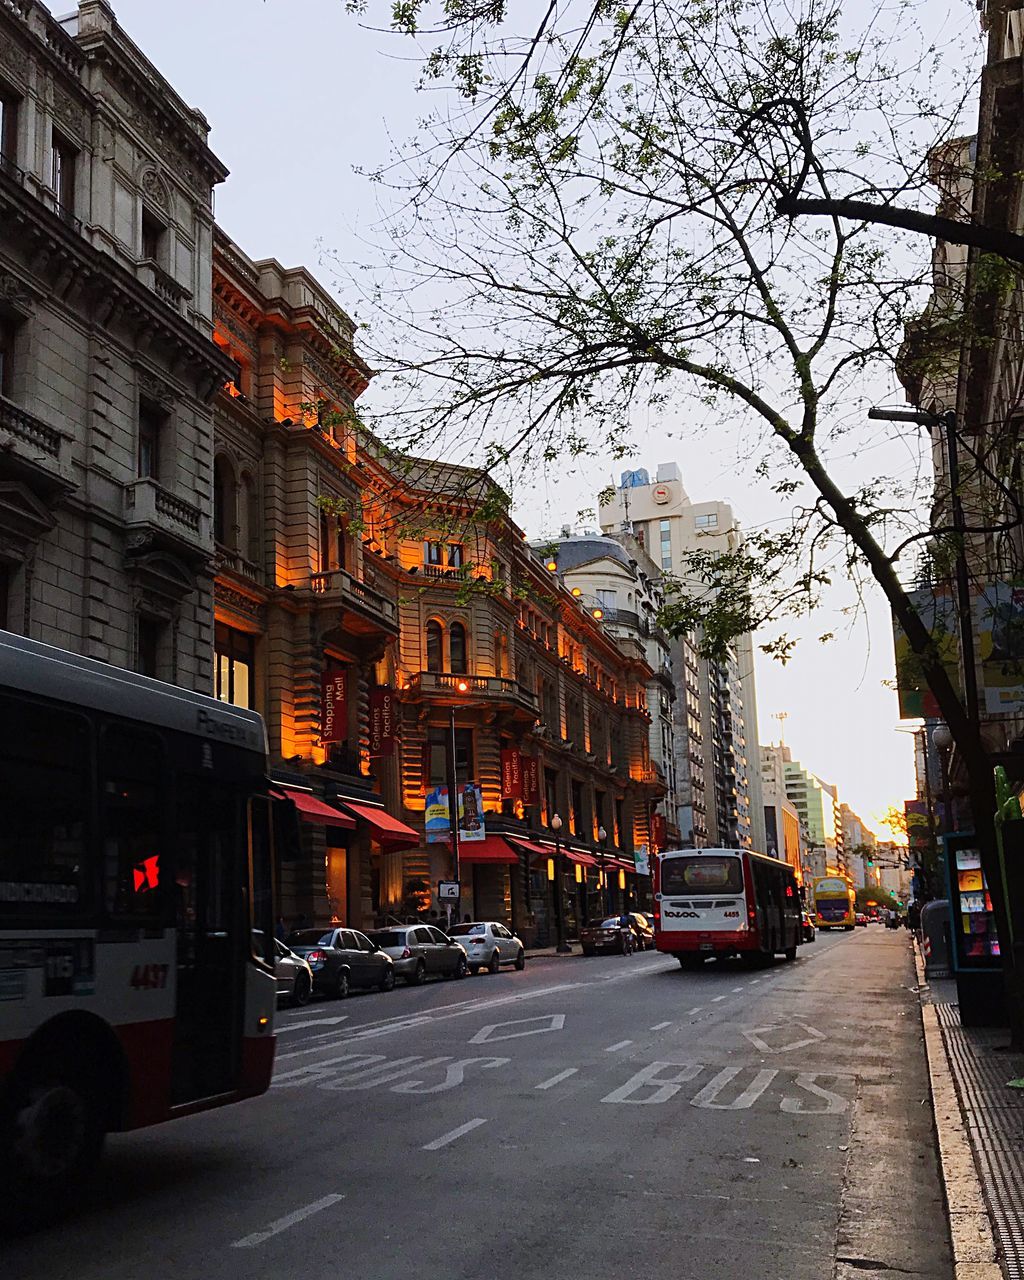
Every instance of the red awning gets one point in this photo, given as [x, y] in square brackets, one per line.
[620, 863]
[531, 846]
[584, 859]
[548, 851]
[389, 830]
[493, 849]
[315, 811]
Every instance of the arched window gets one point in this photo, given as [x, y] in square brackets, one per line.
[501, 667]
[457, 648]
[435, 646]
[223, 502]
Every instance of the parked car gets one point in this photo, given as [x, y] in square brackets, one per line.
[607, 933]
[489, 945]
[293, 974]
[342, 960]
[421, 951]
[861, 919]
[806, 927]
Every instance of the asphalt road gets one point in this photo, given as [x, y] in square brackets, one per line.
[594, 1118]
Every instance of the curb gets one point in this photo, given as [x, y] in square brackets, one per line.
[970, 1229]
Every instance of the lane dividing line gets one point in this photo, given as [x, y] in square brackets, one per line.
[696, 1009]
[562, 1075]
[289, 1220]
[468, 1127]
[622, 1044]
[735, 989]
[660, 1026]
[715, 999]
[311, 1022]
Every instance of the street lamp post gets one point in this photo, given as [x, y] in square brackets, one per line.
[602, 836]
[563, 947]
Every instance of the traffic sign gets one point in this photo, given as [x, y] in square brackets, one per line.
[448, 890]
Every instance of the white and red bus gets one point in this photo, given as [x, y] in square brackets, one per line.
[136, 913]
[724, 902]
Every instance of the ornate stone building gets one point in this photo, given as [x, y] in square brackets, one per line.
[107, 368]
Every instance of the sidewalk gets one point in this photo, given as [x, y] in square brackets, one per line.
[980, 1128]
[551, 953]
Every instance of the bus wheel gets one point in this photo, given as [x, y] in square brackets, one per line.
[790, 953]
[51, 1140]
[689, 963]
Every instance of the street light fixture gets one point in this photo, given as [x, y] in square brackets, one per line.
[602, 836]
[563, 947]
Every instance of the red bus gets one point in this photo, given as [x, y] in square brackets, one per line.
[136, 913]
[724, 902]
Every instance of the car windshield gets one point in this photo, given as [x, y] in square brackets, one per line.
[697, 875]
[606, 922]
[309, 938]
[387, 938]
[460, 930]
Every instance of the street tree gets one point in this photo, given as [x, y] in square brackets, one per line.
[587, 232]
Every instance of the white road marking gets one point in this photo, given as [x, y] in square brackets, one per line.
[562, 1075]
[708, 1096]
[696, 1009]
[651, 1078]
[754, 980]
[622, 1044]
[660, 1026]
[468, 1127]
[715, 999]
[759, 1037]
[737, 989]
[289, 1220]
[551, 1021]
[311, 1022]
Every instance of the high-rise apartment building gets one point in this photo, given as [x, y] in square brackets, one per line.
[818, 806]
[784, 831]
[663, 519]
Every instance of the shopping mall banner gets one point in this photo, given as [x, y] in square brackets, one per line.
[382, 722]
[333, 705]
[529, 768]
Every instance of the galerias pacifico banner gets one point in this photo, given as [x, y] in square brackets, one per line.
[382, 722]
[333, 705]
[529, 772]
[511, 775]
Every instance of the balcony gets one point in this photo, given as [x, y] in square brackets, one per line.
[161, 516]
[164, 285]
[229, 561]
[367, 611]
[28, 428]
[491, 691]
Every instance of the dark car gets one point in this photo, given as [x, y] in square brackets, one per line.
[342, 960]
[421, 951]
[607, 933]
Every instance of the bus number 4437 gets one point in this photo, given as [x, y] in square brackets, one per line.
[149, 977]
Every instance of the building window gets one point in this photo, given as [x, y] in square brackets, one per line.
[223, 502]
[234, 655]
[8, 129]
[6, 582]
[431, 553]
[576, 797]
[7, 332]
[550, 795]
[501, 665]
[154, 239]
[435, 646]
[457, 648]
[706, 522]
[149, 635]
[151, 425]
[607, 600]
[439, 742]
[455, 556]
[62, 173]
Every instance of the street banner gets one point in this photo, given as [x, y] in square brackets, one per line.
[936, 608]
[437, 823]
[659, 831]
[511, 775]
[529, 771]
[334, 705]
[641, 858]
[998, 609]
[435, 810]
[382, 722]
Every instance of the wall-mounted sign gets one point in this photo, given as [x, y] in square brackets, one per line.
[382, 722]
[447, 890]
[511, 775]
[529, 771]
[334, 705]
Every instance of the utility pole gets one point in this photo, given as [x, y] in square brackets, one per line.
[453, 799]
[782, 717]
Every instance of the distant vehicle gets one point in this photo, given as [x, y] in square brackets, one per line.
[342, 960]
[834, 902]
[421, 951]
[806, 927]
[293, 974]
[722, 902]
[489, 945]
[607, 933]
[860, 919]
[136, 912]
[643, 930]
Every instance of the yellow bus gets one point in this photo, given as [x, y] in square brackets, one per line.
[834, 903]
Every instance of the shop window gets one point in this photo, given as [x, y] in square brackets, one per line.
[234, 659]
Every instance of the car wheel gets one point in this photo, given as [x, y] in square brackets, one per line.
[460, 968]
[494, 964]
[588, 951]
[419, 975]
[790, 953]
[622, 947]
[520, 960]
[302, 989]
[689, 963]
[474, 969]
[387, 983]
[341, 985]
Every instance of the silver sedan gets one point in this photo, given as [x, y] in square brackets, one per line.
[489, 945]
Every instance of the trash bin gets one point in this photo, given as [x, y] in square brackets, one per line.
[936, 939]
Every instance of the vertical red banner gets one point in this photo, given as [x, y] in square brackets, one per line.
[382, 722]
[659, 830]
[425, 767]
[511, 775]
[529, 772]
[334, 705]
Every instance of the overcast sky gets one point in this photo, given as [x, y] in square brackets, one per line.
[299, 96]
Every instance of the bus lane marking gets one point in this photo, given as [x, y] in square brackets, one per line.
[562, 1075]
[311, 1022]
[660, 1026]
[651, 1078]
[289, 1220]
[709, 1095]
[621, 1044]
[761, 1037]
[802, 1093]
[715, 999]
[460, 1132]
[550, 1021]
[696, 1009]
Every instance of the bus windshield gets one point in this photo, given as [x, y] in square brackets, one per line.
[699, 874]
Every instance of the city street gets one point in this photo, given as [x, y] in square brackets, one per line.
[593, 1118]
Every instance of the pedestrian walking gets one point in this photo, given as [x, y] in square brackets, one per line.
[281, 932]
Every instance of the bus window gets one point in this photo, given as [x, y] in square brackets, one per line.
[132, 770]
[701, 874]
[44, 799]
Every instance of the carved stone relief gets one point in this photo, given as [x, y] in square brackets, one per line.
[68, 112]
[154, 388]
[155, 188]
[13, 291]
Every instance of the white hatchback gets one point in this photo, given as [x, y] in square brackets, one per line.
[489, 945]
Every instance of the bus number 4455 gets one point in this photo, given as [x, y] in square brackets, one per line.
[149, 977]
